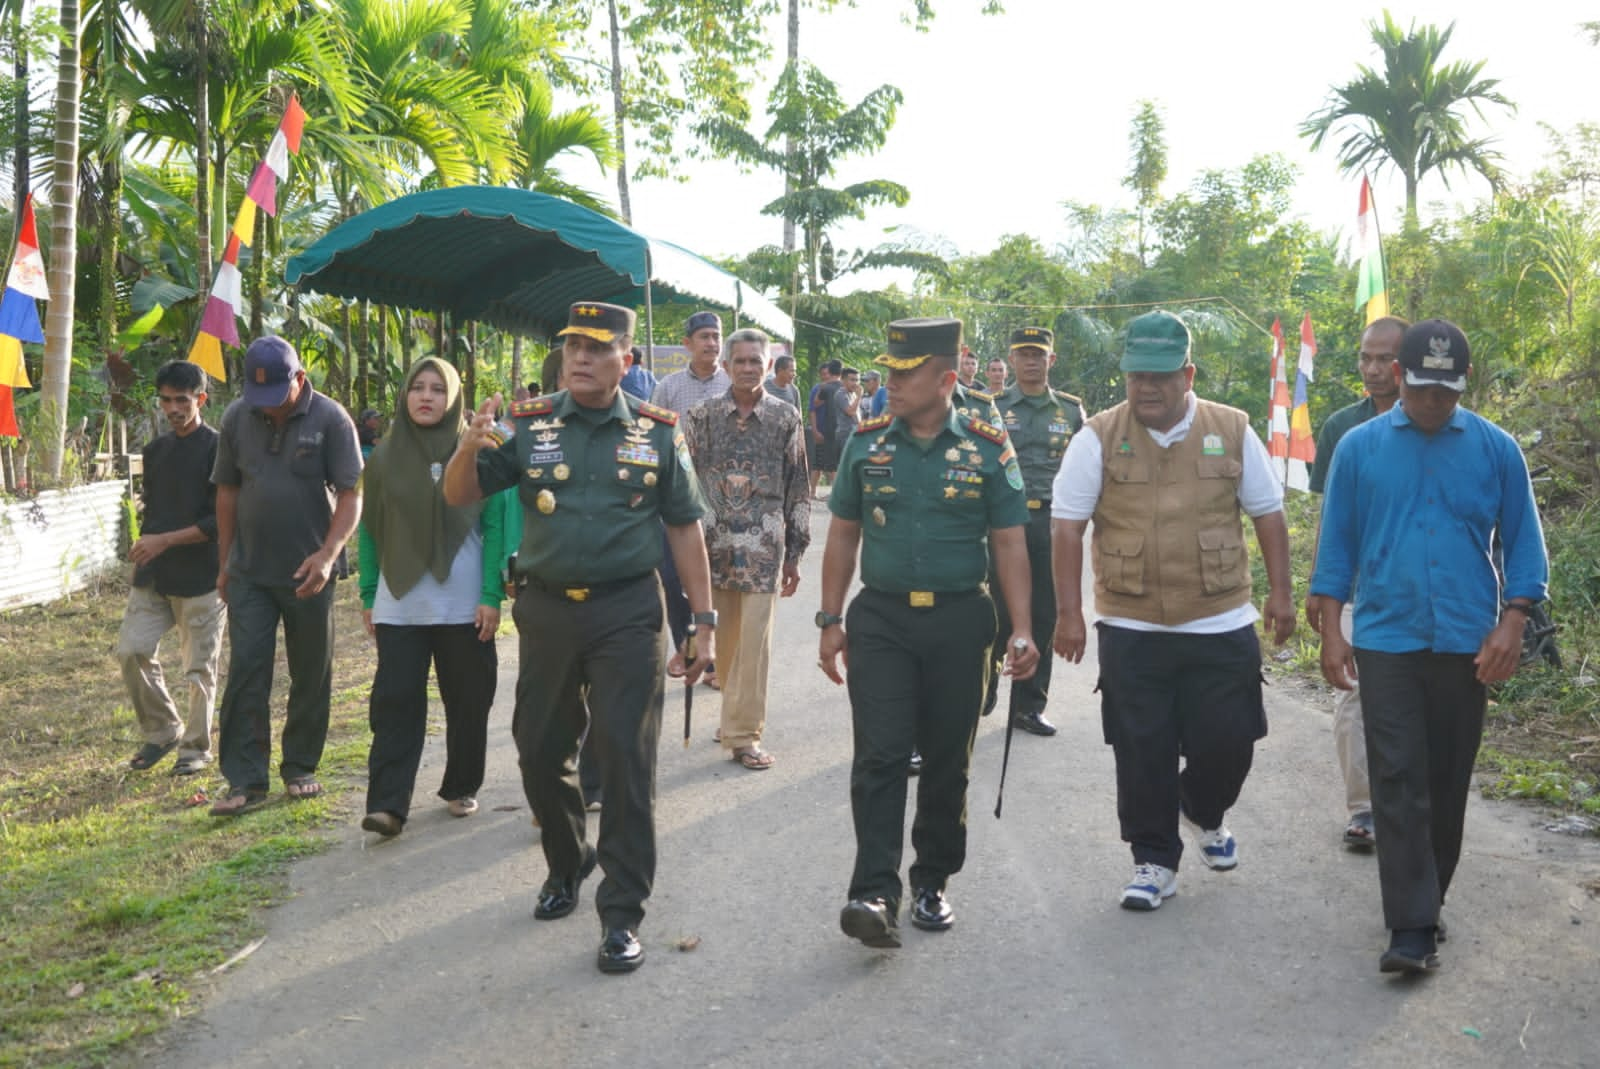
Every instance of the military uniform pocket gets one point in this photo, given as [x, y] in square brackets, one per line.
[1221, 554]
[1121, 556]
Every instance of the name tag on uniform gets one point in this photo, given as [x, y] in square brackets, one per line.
[641, 454]
[877, 473]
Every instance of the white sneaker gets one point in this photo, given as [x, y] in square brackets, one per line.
[1150, 884]
[1217, 848]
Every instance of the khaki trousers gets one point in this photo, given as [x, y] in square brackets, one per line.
[744, 652]
[200, 622]
[1349, 737]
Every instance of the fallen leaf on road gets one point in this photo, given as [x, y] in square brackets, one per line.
[688, 943]
[76, 990]
[506, 808]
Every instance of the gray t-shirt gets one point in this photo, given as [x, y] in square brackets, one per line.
[789, 393]
[845, 421]
[287, 477]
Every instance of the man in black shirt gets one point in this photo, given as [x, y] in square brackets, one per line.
[175, 579]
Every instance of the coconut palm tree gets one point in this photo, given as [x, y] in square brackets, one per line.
[58, 330]
[1409, 115]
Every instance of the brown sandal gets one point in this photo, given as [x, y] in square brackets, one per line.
[303, 788]
[238, 803]
[754, 758]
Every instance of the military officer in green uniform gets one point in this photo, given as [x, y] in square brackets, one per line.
[598, 473]
[1039, 421]
[922, 492]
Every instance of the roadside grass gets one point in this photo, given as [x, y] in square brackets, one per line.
[1542, 734]
[119, 895]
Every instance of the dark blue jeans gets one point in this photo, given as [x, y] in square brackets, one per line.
[245, 747]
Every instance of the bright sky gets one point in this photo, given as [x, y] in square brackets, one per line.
[1006, 117]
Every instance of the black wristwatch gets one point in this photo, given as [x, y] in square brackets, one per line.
[826, 620]
[705, 619]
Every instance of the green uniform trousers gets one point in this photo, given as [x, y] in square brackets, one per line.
[610, 644]
[917, 679]
[1029, 695]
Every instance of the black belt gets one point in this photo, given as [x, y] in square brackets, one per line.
[924, 599]
[582, 591]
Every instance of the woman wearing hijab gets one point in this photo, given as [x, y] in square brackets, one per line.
[434, 596]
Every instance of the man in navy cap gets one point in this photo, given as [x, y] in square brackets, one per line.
[1167, 479]
[704, 378]
[287, 468]
[1413, 500]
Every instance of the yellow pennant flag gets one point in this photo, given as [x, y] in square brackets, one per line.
[13, 372]
[244, 224]
[207, 352]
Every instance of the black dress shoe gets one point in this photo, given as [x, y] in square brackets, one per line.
[914, 766]
[1411, 951]
[620, 951]
[871, 921]
[559, 896]
[1036, 724]
[930, 911]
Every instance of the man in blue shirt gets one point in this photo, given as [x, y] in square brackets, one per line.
[638, 380]
[1413, 500]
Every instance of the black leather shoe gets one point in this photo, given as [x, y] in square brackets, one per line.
[559, 896]
[871, 921]
[620, 951]
[1036, 724]
[1411, 951]
[914, 766]
[930, 911]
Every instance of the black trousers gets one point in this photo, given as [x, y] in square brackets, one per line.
[611, 646]
[917, 679]
[245, 743]
[1423, 715]
[1168, 697]
[1030, 695]
[398, 710]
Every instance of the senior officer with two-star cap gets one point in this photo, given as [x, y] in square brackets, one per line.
[921, 492]
[1039, 421]
[598, 472]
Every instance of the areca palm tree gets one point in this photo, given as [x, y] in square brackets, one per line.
[1409, 115]
[58, 332]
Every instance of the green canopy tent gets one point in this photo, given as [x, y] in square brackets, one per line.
[516, 260]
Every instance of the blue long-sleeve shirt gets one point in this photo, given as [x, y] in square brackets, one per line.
[1412, 514]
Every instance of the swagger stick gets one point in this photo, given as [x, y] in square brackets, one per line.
[690, 655]
[1005, 752]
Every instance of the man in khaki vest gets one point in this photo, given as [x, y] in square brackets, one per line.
[1167, 478]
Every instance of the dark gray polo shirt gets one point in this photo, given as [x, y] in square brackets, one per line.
[287, 478]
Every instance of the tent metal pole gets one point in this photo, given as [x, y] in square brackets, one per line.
[649, 316]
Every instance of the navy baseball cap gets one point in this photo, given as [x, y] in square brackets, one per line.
[269, 367]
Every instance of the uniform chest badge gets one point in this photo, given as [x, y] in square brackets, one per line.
[545, 502]
[1211, 445]
[561, 472]
[878, 516]
[649, 478]
[436, 470]
[952, 454]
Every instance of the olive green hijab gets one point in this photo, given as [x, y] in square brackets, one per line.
[403, 489]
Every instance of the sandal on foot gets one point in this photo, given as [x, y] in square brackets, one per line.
[189, 766]
[464, 806]
[1359, 832]
[150, 754]
[238, 803]
[302, 788]
[754, 758]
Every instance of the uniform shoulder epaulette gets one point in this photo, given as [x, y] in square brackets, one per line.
[980, 395]
[987, 430]
[876, 423]
[534, 406]
[1074, 398]
[659, 414]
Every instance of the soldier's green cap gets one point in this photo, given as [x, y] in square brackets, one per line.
[1156, 341]
[602, 322]
[913, 341]
[1033, 338]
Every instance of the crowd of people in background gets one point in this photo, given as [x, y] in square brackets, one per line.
[645, 529]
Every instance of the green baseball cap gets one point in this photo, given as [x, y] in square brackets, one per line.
[1157, 341]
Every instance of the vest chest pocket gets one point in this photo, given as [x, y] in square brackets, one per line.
[1120, 469]
[1219, 468]
[1121, 560]
[1221, 560]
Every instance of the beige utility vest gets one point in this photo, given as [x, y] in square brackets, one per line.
[1168, 534]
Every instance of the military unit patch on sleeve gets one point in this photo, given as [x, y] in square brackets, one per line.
[876, 423]
[987, 431]
[659, 414]
[536, 406]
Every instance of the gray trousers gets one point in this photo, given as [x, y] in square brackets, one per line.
[254, 612]
[200, 623]
[1424, 720]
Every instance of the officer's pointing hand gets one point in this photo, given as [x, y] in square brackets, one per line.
[480, 432]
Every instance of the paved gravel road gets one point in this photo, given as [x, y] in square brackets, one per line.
[423, 952]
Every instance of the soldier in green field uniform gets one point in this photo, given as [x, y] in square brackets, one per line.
[598, 472]
[1039, 421]
[921, 492]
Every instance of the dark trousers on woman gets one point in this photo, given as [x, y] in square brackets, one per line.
[917, 680]
[245, 743]
[610, 645]
[1168, 697]
[398, 710]
[1423, 714]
